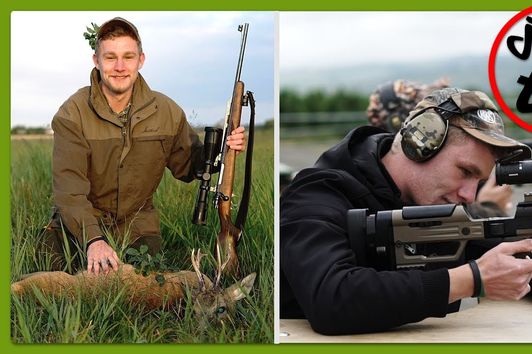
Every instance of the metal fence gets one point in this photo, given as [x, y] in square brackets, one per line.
[319, 124]
[336, 124]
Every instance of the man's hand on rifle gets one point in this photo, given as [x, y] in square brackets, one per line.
[237, 140]
[505, 277]
[101, 258]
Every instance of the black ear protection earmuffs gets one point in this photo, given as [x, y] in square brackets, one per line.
[425, 130]
[425, 133]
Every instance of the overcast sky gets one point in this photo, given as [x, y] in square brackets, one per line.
[325, 39]
[190, 56]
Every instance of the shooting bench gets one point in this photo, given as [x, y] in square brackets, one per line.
[488, 322]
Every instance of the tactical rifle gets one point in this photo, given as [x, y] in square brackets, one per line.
[419, 236]
[218, 157]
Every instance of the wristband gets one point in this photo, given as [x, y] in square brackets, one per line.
[477, 280]
[99, 238]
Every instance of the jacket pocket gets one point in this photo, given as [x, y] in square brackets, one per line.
[149, 151]
[145, 165]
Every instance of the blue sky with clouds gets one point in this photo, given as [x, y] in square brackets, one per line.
[190, 56]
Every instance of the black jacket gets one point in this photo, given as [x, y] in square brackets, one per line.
[321, 278]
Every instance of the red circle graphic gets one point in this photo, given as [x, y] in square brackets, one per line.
[491, 69]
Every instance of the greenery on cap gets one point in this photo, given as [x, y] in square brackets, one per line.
[91, 35]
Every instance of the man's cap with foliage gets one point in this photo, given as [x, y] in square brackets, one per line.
[110, 29]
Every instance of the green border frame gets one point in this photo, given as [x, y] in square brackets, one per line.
[273, 5]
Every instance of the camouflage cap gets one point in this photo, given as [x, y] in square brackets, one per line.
[119, 22]
[479, 117]
[391, 102]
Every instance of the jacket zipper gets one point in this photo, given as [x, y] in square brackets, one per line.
[123, 131]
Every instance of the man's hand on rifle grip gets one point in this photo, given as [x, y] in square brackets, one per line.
[237, 140]
[504, 276]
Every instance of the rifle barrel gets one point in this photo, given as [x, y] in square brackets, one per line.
[229, 126]
[244, 29]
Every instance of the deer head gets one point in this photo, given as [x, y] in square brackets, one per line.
[213, 303]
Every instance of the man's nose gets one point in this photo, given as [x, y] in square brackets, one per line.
[119, 64]
[468, 191]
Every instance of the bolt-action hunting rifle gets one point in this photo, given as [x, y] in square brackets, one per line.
[421, 235]
[218, 157]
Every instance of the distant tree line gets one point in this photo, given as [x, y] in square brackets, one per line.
[21, 129]
[321, 101]
[24, 130]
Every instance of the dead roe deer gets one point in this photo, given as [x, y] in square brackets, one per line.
[152, 291]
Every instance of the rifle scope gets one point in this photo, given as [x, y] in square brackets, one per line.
[518, 172]
[211, 149]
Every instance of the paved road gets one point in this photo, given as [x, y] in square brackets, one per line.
[299, 155]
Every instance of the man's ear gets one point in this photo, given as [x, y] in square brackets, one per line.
[95, 61]
[141, 59]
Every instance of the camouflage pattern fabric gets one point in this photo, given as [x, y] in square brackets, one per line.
[479, 118]
[390, 103]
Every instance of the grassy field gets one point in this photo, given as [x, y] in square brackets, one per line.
[110, 318]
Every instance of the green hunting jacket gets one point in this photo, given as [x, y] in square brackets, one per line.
[105, 172]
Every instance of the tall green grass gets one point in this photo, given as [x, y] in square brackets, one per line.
[110, 318]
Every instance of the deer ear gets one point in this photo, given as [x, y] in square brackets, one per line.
[208, 282]
[240, 289]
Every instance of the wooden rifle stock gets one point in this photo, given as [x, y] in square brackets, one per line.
[229, 234]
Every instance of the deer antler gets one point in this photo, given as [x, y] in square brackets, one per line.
[220, 266]
[196, 259]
